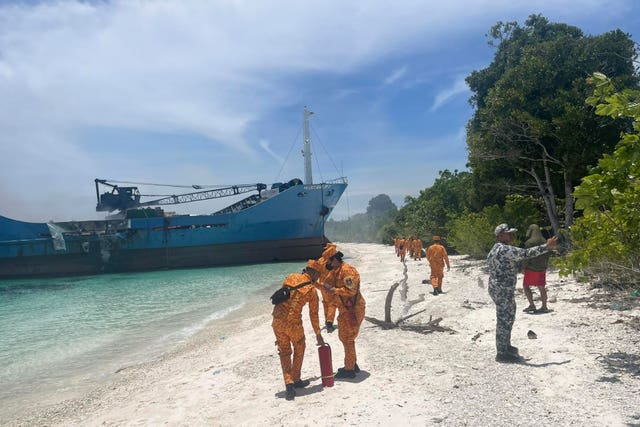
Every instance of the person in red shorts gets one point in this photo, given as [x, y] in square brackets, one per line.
[535, 271]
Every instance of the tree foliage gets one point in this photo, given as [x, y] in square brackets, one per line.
[427, 214]
[607, 236]
[381, 206]
[531, 132]
[472, 233]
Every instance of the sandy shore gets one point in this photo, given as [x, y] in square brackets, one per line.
[583, 368]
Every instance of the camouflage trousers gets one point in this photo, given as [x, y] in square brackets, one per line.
[504, 298]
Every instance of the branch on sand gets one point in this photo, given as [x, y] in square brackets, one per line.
[432, 326]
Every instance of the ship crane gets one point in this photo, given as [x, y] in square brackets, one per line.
[123, 198]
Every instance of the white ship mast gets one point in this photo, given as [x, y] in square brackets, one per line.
[306, 153]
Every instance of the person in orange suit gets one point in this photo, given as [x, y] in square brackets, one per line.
[287, 325]
[328, 304]
[412, 247]
[403, 248]
[351, 308]
[417, 249]
[437, 257]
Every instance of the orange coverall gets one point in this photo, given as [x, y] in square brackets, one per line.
[287, 325]
[328, 304]
[402, 248]
[437, 257]
[417, 251]
[351, 308]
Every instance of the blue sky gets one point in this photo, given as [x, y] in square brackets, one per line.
[212, 92]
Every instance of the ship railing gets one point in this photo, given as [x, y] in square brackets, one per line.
[340, 180]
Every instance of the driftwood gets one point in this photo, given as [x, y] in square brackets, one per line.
[426, 328]
[387, 302]
[432, 326]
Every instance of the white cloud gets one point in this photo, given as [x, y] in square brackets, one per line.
[458, 87]
[395, 75]
[267, 147]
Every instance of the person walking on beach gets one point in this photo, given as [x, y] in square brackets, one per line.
[535, 271]
[413, 244]
[351, 308]
[418, 249]
[437, 257]
[287, 325]
[503, 264]
[328, 303]
[402, 248]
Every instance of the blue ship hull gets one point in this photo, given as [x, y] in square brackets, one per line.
[286, 226]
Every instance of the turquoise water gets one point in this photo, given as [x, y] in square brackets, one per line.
[63, 334]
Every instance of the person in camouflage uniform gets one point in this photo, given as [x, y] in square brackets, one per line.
[503, 263]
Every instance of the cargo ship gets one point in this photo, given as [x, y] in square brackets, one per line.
[277, 222]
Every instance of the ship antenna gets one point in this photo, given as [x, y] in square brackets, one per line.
[306, 153]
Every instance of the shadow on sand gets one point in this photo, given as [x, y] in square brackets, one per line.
[317, 388]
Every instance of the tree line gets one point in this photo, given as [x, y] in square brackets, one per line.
[554, 140]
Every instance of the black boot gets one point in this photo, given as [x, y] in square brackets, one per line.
[343, 373]
[512, 350]
[290, 394]
[301, 383]
[356, 368]
[508, 358]
[330, 327]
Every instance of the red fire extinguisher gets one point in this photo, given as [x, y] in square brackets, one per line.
[326, 367]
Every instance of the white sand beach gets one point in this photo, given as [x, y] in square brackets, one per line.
[583, 368]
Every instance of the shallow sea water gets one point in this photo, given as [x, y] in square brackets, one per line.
[64, 335]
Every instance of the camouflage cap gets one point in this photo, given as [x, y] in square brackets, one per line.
[504, 228]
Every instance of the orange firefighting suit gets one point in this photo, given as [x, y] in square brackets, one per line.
[402, 248]
[351, 308]
[437, 257]
[417, 249]
[287, 325]
[328, 304]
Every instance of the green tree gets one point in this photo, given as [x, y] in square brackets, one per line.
[531, 132]
[381, 206]
[472, 233]
[427, 214]
[365, 227]
[607, 236]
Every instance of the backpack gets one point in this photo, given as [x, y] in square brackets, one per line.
[284, 293]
